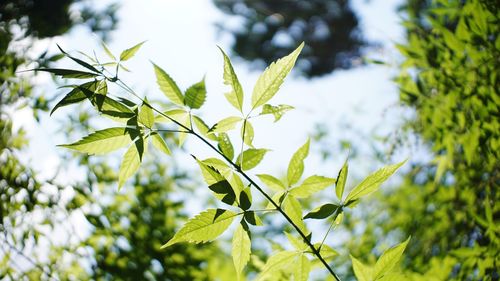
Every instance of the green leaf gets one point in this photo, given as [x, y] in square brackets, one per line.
[146, 115]
[389, 259]
[79, 61]
[223, 190]
[302, 268]
[252, 218]
[341, 181]
[204, 227]
[129, 53]
[272, 182]
[225, 124]
[297, 243]
[69, 73]
[159, 143]
[250, 158]
[276, 111]
[311, 185]
[203, 128]
[292, 208]
[271, 79]
[112, 108]
[247, 133]
[196, 95]
[241, 249]
[104, 141]
[131, 161]
[168, 86]
[235, 97]
[326, 251]
[373, 182]
[107, 51]
[276, 262]
[362, 272]
[225, 146]
[75, 96]
[322, 211]
[278, 197]
[296, 165]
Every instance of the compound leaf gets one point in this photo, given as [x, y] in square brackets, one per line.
[204, 227]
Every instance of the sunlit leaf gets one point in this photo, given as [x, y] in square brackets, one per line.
[225, 124]
[241, 249]
[311, 185]
[297, 243]
[276, 111]
[225, 146]
[74, 96]
[146, 115]
[271, 79]
[302, 268]
[296, 165]
[131, 161]
[373, 182]
[293, 209]
[341, 181]
[389, 260]
[203, 128]
[272, 182]
[252, 218]
[362, 272]
[168, 86]
[276, 262]
[247, 133]
[250, 158]
[204, 227]
[326, 251]
[104, 141]
[235, 96]
[159, 143]
[107, 51]
[130, 52]
[79, 61]
[196, 95]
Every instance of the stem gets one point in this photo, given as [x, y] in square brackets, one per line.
[337, 212]
[241, 172]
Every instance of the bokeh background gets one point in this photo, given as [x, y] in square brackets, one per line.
[378, 82]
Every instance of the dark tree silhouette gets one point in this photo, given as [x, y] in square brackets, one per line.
[271, 29]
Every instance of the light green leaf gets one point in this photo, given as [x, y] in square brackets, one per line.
[104, 141]
[326, 251]
[146, 115]
[225, 124]
[276, 262]
[225, 145]
[302, 268]
[176, 114]
[168, 86]
[203, 128]
[247, 133]
[311, 185]
[241, 249]
[159, 143]
[204, 227]
[292, 208]
[362, 272]
[108, 52]
[373, 182]
[250, 158]
[235, 97]
[296, 165]
[389, 259]
[129, 53]
[322, 211]
[341, 181]
[276, 111]
[210, 174]
[112, 109]
[271, 79]
[272, 182]
[297, 243]
[196, 95]
[131, 161]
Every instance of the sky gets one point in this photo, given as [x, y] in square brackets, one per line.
[182, 38]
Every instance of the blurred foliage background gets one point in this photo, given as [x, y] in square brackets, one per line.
[448, 77]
